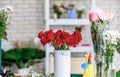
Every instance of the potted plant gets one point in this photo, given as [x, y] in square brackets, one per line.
[58, 9]
[80, 13]
[23, 58]
[5, 14]
[61, 41]
[71, 11]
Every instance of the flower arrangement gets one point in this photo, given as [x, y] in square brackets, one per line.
[60, 39]
[58, 9]
[5, 14]
[110, 38]
[99, 24]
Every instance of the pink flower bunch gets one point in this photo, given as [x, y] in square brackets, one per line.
[104, 16]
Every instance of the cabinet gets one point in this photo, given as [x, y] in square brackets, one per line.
[49, 22]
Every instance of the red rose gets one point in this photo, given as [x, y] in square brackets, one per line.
[72, 41]
[39, 35]
[65, 36]
[46, 37]
[58, 43]
[50, 36]
[58, 34]
[42, 37]
[77, 35]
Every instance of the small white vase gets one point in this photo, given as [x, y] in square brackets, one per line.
[62, 63]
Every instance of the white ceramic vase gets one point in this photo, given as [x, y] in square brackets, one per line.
[62, 63]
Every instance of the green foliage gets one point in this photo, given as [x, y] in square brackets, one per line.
[22, 56]
[110, 49]
[4, 15]
[78, 28]
[118, 74]
[118, 45]
[80, 13]
[63, 47]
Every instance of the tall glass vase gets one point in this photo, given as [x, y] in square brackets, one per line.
[97, 30]
[0, 53]
[109, 71]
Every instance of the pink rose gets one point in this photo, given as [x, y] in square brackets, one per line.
[93, 16]
[106, 16]
[103, 15]
[110, 17]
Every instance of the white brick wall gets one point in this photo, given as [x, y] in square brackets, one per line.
[26, 22]
[28, 18]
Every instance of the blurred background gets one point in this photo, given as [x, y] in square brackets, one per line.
[28, 20]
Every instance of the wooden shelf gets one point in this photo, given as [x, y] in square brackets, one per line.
[69, 22]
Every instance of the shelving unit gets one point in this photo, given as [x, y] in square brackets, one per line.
[68, 22]
[49, 22]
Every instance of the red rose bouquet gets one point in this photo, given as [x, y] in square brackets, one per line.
[60, 39]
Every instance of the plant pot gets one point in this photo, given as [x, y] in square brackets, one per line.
[62, 63]
[79, 16]
[56, 16]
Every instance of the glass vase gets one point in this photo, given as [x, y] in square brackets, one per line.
[97, 30]
[109, 70]
[0, 53]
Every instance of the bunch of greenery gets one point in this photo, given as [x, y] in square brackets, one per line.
[110, 48]
[5, 14]
[78, 28]
[118, 73]
[80, 13]
[23, 57]
[118, 45]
